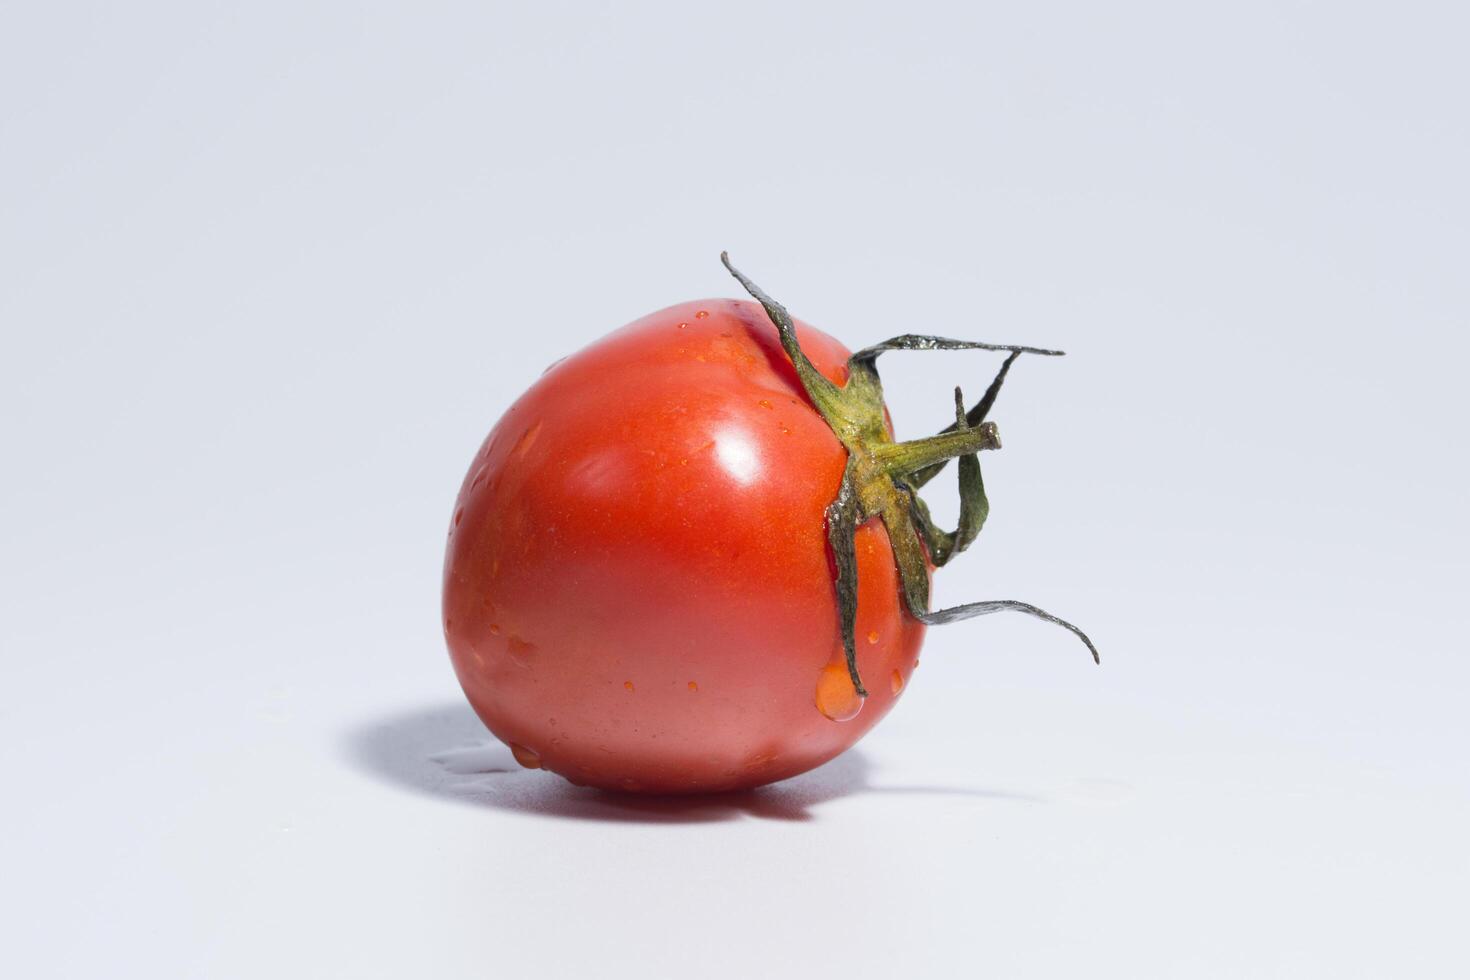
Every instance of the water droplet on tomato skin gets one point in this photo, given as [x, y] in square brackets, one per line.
[765, 403]
[760, 760]
[458, 516]
[529, 758]
[628, 685]
[872, 636]
[494, 630]
[694, 687]
[526, 441]
[520, 651]
[683, 325]
[896, 681]
[835, 695]
[701, 314]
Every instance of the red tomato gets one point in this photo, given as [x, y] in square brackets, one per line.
[638, 592]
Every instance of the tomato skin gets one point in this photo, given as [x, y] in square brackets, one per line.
[638, 592]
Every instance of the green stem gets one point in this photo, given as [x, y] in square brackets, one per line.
[973, 418]
[898, 458]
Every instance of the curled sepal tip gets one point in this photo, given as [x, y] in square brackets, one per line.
[972, 609]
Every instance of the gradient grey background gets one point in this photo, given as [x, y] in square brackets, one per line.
[269, 272]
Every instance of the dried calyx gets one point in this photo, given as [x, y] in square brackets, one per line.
[883, 476]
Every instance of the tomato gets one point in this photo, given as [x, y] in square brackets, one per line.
[638, 593]
[692, 558]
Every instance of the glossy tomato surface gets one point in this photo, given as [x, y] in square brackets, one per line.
[638, 593]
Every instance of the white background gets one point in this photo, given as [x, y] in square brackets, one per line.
[269, 272]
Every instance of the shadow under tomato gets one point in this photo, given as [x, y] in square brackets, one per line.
[445, 752]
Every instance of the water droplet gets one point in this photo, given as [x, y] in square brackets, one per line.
[447, 624]
[628, 685]
[701, 314]
[896, 681]
[527, 440]
[784, 430]
[693, 687]
[683, 325]
[836, 697]
[529, 758]
[872, 636]
[494, 630]
[521, 651]
[458, 516]
[765, 403]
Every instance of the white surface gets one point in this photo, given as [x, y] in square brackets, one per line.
[271, 272]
